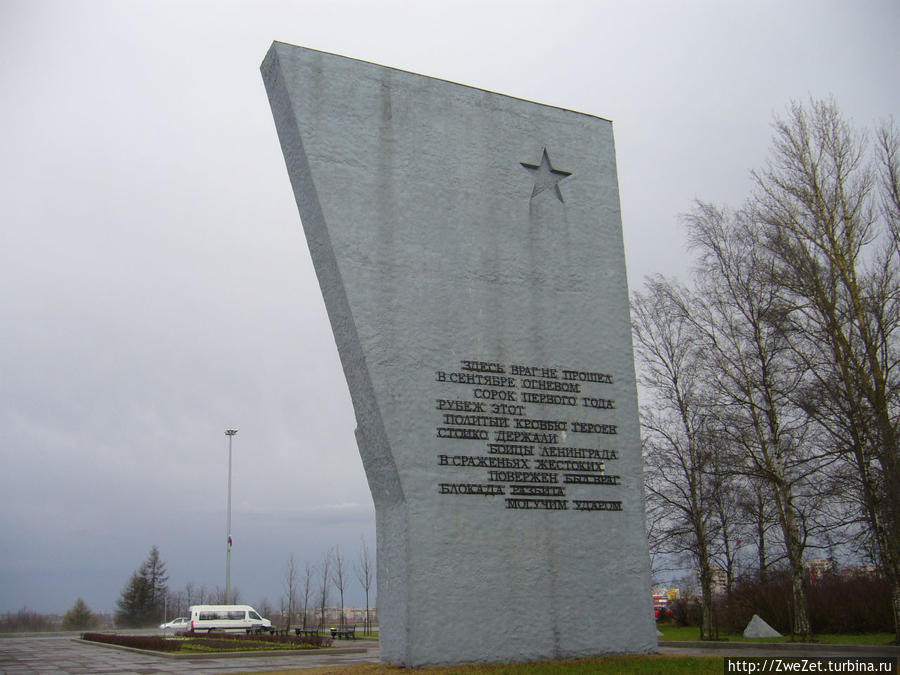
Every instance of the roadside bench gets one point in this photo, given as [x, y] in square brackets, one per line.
[345, 632]
[306, 633]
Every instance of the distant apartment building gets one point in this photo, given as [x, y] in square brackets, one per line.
[817, 568]
[719, 581]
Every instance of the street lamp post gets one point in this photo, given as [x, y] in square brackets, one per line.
[230, 433]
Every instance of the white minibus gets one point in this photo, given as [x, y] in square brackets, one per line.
[228, 617]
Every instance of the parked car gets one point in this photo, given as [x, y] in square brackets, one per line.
[181, 623]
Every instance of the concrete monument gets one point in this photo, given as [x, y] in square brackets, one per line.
[469, 249]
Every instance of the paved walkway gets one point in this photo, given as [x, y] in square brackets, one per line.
[776, 649]
[64, 655]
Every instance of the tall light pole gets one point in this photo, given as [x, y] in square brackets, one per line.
[230, 433]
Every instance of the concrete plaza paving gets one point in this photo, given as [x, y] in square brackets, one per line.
[66, 655]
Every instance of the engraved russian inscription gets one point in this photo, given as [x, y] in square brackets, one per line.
[533, 434]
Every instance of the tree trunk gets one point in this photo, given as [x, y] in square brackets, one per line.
[888, 548]
[367, 610]
[895, 605]
[761, 537]
[800, 625]
[706, 623]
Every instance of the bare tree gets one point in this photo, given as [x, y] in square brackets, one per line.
[797, 315]
[726, 491]
[677, 454]
[365, 572]
[307, 590]
[832, 223]
[265, 608]
[218, 596]
[177, 604]
[325, 578]
[754, 378]
[758, 512]
[291, 580]
[339, 578]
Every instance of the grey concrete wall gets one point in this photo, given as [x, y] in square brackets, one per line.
[469, 249]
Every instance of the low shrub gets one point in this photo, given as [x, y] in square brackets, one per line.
[771, 600]
[312, 640]
[852, 604]
[153, 642]
[685, 612]
[216, 641]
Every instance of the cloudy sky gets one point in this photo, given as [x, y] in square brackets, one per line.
[156, 289]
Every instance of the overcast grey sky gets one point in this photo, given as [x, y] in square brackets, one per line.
[157, 289]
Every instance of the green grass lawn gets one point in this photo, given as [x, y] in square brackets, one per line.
[612, 665]
[692, 633]
[201, 646]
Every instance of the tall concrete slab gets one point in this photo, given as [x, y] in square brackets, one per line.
[469, 249]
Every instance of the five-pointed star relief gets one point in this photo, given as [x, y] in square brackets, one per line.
[545, 176]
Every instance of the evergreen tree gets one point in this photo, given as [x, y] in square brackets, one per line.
[142, 599]
[134, 603]
[154, 571]
[80, 617]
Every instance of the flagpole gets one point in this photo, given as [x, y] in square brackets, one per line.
[230, 433]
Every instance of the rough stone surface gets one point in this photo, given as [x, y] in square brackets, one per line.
[757, 628]
[468, 246]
